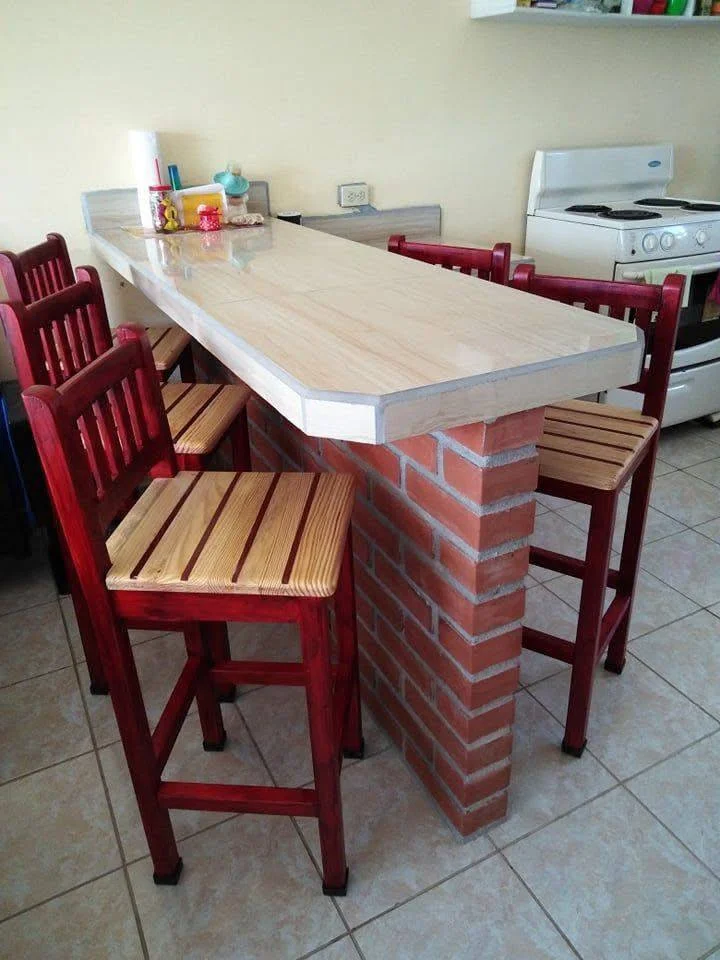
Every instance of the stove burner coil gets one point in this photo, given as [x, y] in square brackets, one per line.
[660, 202]
[588, 208]
[631, 215]
[700, 207]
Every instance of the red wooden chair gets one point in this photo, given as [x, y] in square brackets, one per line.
[46, 268]
[59, 335]
[486, 264]
[588, 453]
[201, 549]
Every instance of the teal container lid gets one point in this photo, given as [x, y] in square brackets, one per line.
[235, 185]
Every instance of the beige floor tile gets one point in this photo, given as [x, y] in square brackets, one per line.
[239, 762]
[687, 499]
[248, 890]
[541, 575]
[550, 503]
[687, 444]
[397, 842]
[710, 529]
[277, 717]
[33, 642]
[655, 602]
[264, 641]
[688, 562]
[657, 525]
[709, 471]
[544, 611]
[93, 922]
[483, 912]
[687, 654]
[546, 783]
[42, 721]
[661, 468]
[56, 833]
[158, 663]
[554, 532]
[619, 885]
[684, 792]
[342, 950]
[635, 720]
[68, 611]
[24, 582]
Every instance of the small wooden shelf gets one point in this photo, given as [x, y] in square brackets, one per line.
[505, 10]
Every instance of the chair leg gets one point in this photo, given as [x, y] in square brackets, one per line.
[186, 365]
[630, 558]
[353, 744]
[216, 636]
[98, 681]
[137, 742]
[240, 443]
[597, 563]
[211, 720]
[190, 461]
[323, 742]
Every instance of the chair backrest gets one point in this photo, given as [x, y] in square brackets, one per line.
[491, 265]
[99, 435]
[37, 272]
[55, 337]
[655, 309]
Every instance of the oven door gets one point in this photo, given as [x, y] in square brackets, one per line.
[694, 388]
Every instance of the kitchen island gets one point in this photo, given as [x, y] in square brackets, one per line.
[428, 386]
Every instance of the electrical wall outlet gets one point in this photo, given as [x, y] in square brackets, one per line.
[353, 194]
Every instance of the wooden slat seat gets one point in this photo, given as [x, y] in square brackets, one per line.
[596, 445]
[200, 414]
[167, 344]
[242, 533]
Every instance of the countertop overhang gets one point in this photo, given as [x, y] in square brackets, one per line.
[354, 343]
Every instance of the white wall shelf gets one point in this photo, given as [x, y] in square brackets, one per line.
[505, 10]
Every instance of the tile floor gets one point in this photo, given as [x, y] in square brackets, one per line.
[612, 857]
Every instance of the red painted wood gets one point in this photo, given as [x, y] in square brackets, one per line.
[491, 265]
[236, 798]
[656, 310]
[81, 490]
[346, 633]
[323, 741]
[38, 271]
[260, 671]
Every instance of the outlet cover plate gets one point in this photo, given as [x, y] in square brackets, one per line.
[353, 195]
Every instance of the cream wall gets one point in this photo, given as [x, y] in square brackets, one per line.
[414, 97]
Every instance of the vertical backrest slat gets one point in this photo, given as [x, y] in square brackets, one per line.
[491, 265]
[636, 303]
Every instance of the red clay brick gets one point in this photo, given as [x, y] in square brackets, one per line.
[481, 576]
[290, 445]
[266, 451]
[476, 657]
[367, 672]
[494, 809]
[488, 485]
[365, 611]
[468, 791]
[472, 726]
[422, 449]
[379, 458]
[397, 709]
[403, 517]
[474, 618]
[339, 461]
[379, 596]
[506, 433]
[402, 590]
[397, 648]
[378, 532]
[388, 723]
[383, 663]
[361, 546]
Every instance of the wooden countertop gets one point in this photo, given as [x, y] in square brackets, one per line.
[353, 343]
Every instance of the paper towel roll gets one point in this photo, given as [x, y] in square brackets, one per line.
[144, 149]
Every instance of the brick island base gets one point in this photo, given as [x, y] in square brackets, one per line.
[440, 539]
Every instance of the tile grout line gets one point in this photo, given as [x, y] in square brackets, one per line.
[62, 893]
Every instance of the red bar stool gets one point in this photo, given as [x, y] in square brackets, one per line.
[59, 335]
[201, 549]
[491, 265]
[46, 268]
[588, 454]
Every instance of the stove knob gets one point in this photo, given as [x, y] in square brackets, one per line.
[649, 242]
[701, 237]
[666, 241]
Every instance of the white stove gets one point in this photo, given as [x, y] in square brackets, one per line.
[606, 213]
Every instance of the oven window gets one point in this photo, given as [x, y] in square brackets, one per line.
[700, 319]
